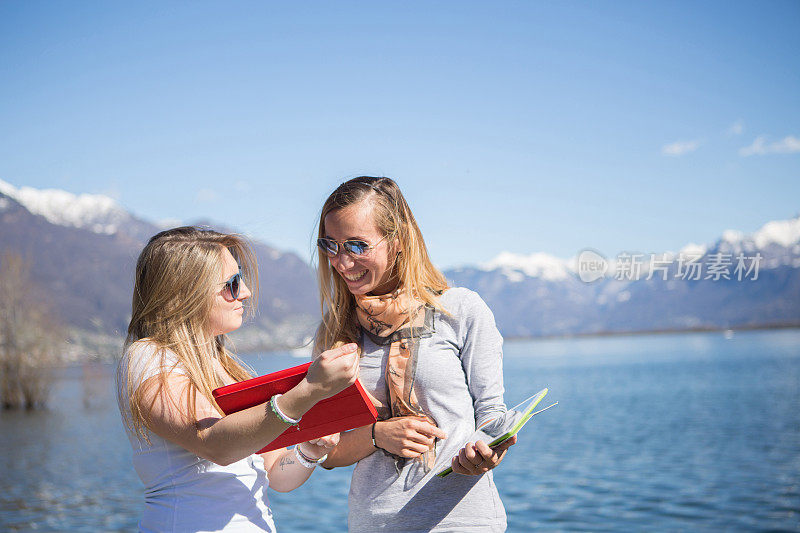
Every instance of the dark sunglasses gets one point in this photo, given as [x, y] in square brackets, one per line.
[351, 246]
[233, 285]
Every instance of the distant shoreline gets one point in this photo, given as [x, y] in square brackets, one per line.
[111, 348]
[699, 329]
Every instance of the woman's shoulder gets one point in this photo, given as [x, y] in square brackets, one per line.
[463, 302]
[467, 315]
[146, 358]
[460, 296]
[147, 349]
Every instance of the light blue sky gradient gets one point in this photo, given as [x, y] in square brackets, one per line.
[511, 126]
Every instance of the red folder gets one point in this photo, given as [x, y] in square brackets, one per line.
[349, 409]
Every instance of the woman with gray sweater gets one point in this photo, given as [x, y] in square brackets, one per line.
[431, 359]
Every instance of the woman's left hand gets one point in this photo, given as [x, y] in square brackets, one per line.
[478, 458]
[316, 448]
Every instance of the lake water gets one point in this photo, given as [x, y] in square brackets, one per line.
[662, 432]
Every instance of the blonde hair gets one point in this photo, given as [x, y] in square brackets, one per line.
[177, 274]
[411, 267]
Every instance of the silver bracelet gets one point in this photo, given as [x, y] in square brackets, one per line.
[273, 403]
[307, 461]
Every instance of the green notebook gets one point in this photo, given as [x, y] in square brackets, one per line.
[505, 426]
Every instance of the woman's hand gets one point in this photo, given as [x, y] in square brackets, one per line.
[286, 472]
[407, 436]
[478, 458]
[316, 448]
[333, 370]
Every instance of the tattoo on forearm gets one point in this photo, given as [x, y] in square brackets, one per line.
[286, 461]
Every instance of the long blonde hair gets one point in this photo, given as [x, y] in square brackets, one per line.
[177, 274]
[411, 266]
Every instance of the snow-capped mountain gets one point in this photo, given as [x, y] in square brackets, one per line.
[778, 242]
[779, 232]
[537, 265]
[540, 294]
[91, 212]
[82, 251]
[95, 212]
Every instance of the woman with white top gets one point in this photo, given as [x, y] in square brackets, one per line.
[199, 467]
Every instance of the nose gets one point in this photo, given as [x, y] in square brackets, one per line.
[244, 291]
[342, 261]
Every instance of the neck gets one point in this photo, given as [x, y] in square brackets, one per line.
[387, 287]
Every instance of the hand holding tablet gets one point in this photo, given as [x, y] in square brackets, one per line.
[497, 431]
[350, 408]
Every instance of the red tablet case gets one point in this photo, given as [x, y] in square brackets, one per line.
[349, 409]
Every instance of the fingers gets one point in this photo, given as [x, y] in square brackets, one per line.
[334, 370]
[405, 436]
[349, 355]
[421, 431]
[335, 353]
[428, 429]
[503, 446]
[411, 449]
[413, 443]
[490, 457]
[471, 456]
[316, 448]
[344, 358]
[484, 452]
[468, 461]
[419, 438]
[328, 441]
[478, 458]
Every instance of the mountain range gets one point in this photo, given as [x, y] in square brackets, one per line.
[82, 251]
[541, 295]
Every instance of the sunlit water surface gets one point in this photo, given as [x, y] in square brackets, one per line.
[662, 432]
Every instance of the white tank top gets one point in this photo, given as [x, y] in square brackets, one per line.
[184, 492]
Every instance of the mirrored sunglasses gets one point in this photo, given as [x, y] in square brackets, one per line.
[351, 246]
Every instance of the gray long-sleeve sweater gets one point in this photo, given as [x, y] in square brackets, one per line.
[459, 382]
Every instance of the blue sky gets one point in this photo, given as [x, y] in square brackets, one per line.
[510, 126]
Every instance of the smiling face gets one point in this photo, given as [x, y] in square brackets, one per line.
[369, 273]
[226, 311]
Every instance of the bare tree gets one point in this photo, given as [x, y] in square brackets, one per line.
[30, 337]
